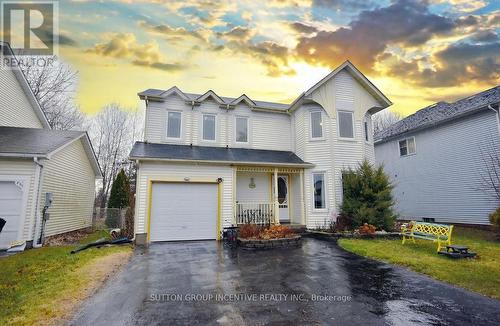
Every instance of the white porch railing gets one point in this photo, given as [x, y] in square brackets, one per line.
[254, 213]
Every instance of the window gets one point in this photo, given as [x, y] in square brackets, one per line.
[346, 124]
[407, 146]
[174, 124]
[366, 131]
[316, 125]
[241, 129]
[319, 190]
[209, 127]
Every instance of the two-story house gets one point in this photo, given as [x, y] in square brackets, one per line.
[40, 167]
[444, 160]
[208, 162]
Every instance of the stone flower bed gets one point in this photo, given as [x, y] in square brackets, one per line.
[252, 244]
[251, 236]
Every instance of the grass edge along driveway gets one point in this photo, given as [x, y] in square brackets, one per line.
[44, 286]
[480, 275]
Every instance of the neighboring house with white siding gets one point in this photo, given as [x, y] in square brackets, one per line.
[440, 159]
[209, 162]
[35, 161]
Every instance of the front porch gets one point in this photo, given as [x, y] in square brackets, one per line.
[269, 196]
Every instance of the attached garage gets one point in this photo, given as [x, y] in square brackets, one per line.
[11, 210]
[183, 211]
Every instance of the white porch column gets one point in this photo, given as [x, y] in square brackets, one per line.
[276, 203]
[235, 173]
[302, 199]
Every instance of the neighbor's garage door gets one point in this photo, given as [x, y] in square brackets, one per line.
[10, 210]
[183, 211]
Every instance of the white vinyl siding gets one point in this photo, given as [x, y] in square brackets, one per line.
[174, 124]
[241, 129]
[346, 124]
[443, 180]
[316, 125]
[209, 129]
[17, 110]
[69, 176]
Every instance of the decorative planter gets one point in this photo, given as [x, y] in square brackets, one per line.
[262, 244]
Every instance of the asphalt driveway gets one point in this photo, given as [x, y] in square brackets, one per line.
[189, 283]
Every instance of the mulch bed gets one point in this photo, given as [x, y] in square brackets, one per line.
[68, 238]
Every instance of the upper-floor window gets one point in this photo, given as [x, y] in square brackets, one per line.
[367, 137]
[346, 124]
[241, 129]
[209, 127]
[407, 146]
[316, 125]
[174, 120]
[319, 190]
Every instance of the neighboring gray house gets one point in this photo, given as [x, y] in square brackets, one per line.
[440, 158]
[35, 160]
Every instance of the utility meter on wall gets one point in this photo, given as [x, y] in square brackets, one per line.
[48, 199]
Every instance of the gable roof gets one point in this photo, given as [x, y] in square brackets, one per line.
[220, 155]
[211, 94]
[243, 98]
[7, 51]
[348, 66]
[440, 112]
[273, 106]
[358, 75]
[42, 143]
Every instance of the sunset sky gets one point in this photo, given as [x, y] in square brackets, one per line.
[416, 52]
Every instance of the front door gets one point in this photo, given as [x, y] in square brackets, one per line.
[283, 198]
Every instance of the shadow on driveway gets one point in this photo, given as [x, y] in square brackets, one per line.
[189, 283]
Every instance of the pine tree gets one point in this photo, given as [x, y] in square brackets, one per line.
[119, 198]
[367, 197]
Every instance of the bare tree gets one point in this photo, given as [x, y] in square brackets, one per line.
[54, 86]
[490, 173]
[113, 131]
[384, 119]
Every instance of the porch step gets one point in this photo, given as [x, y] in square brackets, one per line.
[299, 228]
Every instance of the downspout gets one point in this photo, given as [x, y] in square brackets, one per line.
[497, 114]
[38, 183]
[192, 124]
[227, 126]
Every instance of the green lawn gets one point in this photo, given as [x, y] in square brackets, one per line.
[41, 284]
[480, 275]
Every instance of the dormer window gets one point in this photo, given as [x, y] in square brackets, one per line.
[242, 130]
[174, 120]
[316, 125]
[209, 127]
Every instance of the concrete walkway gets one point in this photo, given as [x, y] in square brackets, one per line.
[204, 283]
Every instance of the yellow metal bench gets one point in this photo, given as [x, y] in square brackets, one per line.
[439, 233]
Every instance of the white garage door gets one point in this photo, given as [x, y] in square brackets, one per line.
[183, 211]
[11, 197]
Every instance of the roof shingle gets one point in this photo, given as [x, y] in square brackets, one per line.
[214, 154]
[440, 112]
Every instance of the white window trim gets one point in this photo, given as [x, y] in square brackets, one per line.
[203, 126]
[236, 133]
[181, 129]
[325, 183]
[353, 126]
[311, 138]
[407, 152]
